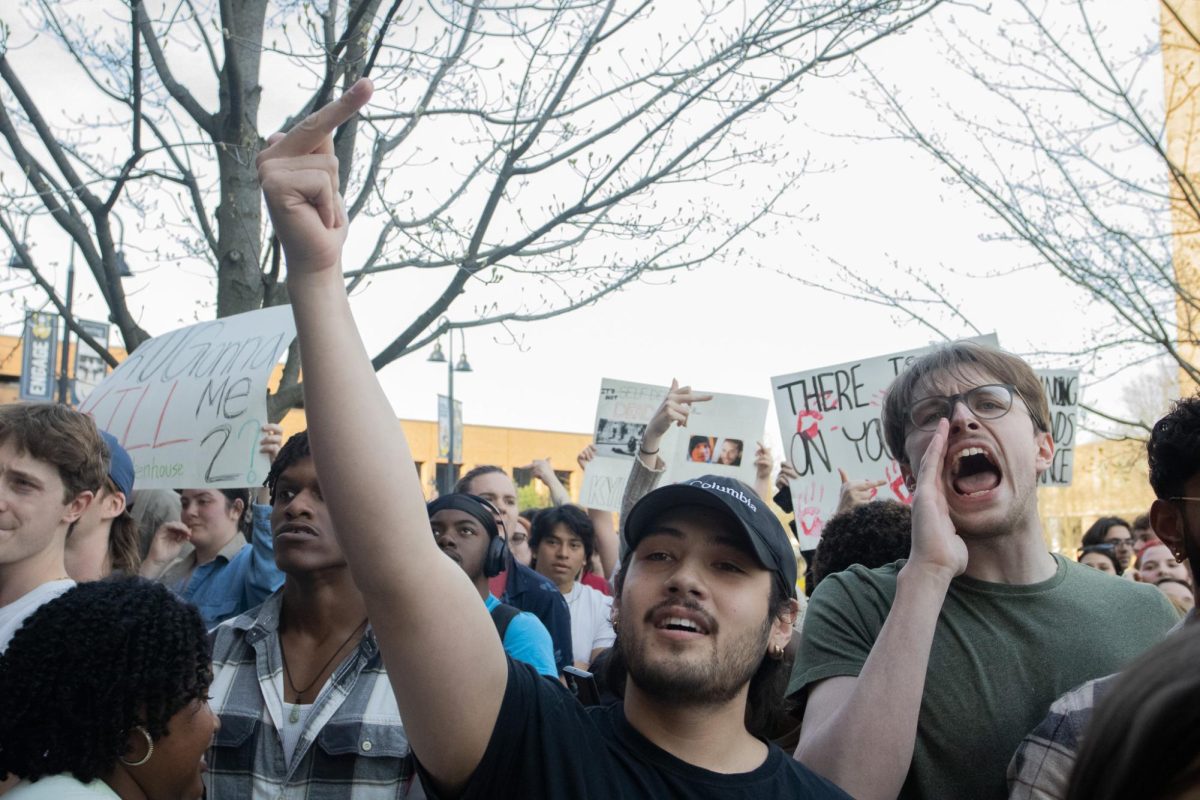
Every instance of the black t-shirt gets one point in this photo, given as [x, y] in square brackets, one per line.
[545, 744]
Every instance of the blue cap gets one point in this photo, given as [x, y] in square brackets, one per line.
[120, 466]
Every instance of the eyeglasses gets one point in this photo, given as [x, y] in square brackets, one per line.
[1126, 544]
[986, 402]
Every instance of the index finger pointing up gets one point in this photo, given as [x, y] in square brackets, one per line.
[312, 133]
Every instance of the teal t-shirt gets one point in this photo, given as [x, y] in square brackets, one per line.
[1001, 655]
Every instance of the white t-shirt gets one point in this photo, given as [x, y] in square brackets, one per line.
[61, 787]
[13, 615]
[591, 621]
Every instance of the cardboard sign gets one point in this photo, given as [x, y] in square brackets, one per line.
[38, 354]
[1062, 392]
[622, 414]
[189, 405]
[720, 439]
[829, 419]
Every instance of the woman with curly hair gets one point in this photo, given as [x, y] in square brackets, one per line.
[105, 695]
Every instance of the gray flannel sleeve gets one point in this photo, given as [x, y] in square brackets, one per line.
[1041, 767]
[642, 481]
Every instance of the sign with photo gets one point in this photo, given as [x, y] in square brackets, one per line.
[720, 438]
[39, 351]
[189, 405]
[829, 420]
[622, 413]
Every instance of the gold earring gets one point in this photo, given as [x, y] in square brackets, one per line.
[149, 749]
[776, 652]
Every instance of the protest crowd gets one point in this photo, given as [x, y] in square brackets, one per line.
[331, 633]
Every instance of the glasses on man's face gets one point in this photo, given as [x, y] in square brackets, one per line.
[985, 402]
[1120, 544]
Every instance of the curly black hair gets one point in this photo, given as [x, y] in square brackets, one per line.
[872, 534]
[88, 667]
[1173, 450]
[295, 449]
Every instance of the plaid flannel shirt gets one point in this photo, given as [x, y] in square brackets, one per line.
[1041, 768]
[352, 747]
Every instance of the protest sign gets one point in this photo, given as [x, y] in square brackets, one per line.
[1062, 392]
[90, 367]
[39, 348]
[829, 420]
[622, 413]
[720, 439]
[189, 405]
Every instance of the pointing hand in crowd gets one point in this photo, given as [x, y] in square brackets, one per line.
[299, 176]
[675, 409]
[856, 493]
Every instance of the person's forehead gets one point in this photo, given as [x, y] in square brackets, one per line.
[960, 379]
[301, 471]
[197, 494]
[701, 526]
[564, 532]
[1158, 552]
[497, 483]
[452, 516]
[1117, 532]
[18, 458]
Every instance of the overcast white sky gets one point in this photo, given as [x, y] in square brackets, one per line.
[725, 327]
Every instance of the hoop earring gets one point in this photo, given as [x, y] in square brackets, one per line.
[775, 652]
[149, 749]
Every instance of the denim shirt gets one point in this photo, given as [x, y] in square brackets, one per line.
[241, 577]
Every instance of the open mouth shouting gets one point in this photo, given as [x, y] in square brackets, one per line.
[681, 622]
[974, 471]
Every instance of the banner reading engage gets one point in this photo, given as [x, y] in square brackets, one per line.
[189, 405]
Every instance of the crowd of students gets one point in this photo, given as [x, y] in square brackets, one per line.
[335, 635]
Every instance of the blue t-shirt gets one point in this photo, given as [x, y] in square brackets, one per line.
[533, 592]
[526, 640]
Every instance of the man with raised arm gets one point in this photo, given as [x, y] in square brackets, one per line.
[704, 604]
[921, 677]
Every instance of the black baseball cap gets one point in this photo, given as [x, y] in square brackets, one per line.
[767, 538]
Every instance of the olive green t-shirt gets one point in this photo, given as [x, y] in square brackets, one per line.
[1001, 655]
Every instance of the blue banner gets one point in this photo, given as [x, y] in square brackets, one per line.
[39, 350]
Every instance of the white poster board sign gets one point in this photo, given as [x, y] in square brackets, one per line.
[829, 420]
[1062, 392]
[189, 405]
[622, 413]
[720, 439]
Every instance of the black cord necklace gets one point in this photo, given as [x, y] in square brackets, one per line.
[294, 717]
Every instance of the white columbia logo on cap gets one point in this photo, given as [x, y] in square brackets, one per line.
[734, 493]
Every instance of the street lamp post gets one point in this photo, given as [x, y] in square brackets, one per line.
[447, 484]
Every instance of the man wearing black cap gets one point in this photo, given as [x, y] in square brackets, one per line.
[465, 529]
[704, 603]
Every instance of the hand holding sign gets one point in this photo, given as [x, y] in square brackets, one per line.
[299, 177]
[936, 546]
[585, 457]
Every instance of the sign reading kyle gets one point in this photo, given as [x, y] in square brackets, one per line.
[829, 420]
[189, 405]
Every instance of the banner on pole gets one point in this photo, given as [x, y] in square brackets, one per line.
[38, 356]
[444, 429]
[90, 367]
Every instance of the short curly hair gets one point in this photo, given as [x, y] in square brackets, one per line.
[88, 667]
[1173, 450]
[872, 534]
[295, 449]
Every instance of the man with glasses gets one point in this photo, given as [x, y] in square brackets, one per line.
[937, 665]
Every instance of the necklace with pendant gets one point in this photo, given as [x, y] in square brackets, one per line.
[294, 716]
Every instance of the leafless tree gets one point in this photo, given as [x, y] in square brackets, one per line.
[1061, 135]
[590, 141]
